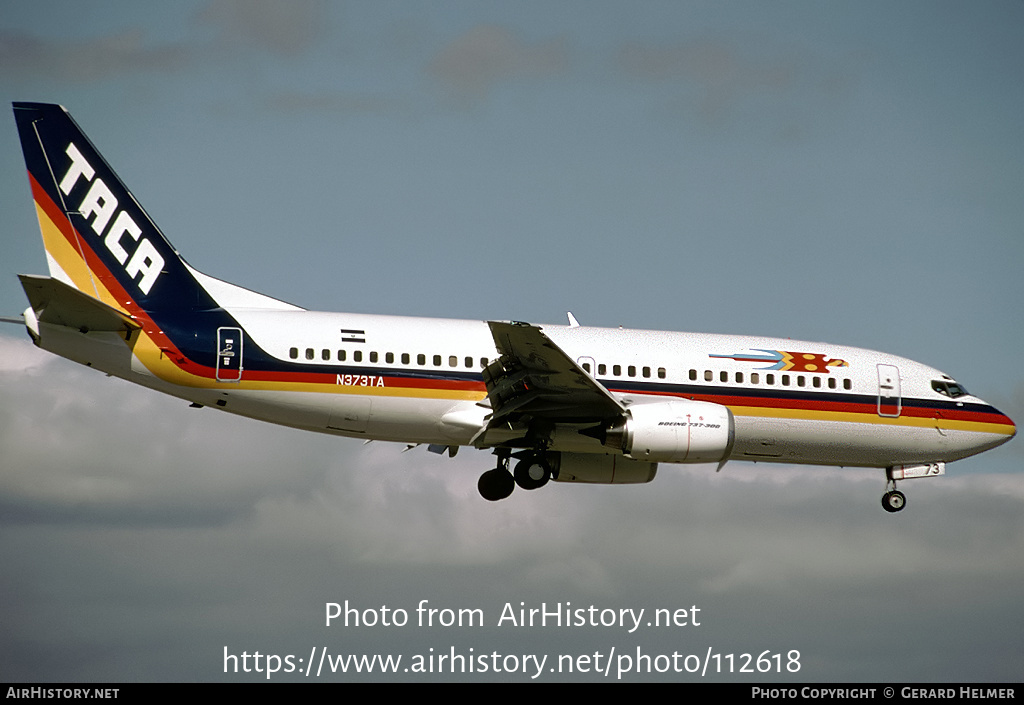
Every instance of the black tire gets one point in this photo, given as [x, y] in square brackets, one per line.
[532, 473]
[894, 501]
[495, 484]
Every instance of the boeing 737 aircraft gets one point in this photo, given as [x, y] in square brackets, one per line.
[568, 403]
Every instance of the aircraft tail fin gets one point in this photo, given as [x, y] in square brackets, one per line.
[98, 238]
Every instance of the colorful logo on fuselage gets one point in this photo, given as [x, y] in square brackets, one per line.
[786, 361]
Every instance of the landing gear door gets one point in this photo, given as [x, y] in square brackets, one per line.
[229, 354]
[890, 403]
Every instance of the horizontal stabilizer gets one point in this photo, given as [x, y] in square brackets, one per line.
[59, 304]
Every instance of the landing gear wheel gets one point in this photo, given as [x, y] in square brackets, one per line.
[893, 501]
[496, 484]
[532, 473]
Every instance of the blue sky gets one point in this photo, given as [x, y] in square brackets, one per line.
[847, 172]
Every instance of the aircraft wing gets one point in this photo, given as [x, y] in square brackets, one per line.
[534, 380]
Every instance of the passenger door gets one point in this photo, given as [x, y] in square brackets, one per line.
[229, 354]
[890, 403]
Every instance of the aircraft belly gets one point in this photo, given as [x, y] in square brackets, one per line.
[349, 412]
[412, 420]
[306, 410]
[963, 444]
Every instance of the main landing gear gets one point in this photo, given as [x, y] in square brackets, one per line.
[532, 472]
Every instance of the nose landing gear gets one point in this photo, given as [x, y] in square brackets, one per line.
[893, 500]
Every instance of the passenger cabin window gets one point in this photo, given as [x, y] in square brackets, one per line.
[293, 353]
[661, 373]
[586, 366]
[357, 355]
[602, 369]
[309, 353]
[617, 370]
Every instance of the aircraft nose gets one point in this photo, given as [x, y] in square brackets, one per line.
[1009, 428]
[993, 429]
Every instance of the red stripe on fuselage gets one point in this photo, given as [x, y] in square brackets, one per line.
[186, 364]
[868, 408]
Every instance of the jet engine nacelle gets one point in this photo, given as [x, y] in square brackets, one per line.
[680, 431]
[600, 469]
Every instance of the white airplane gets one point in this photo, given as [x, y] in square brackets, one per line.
[569, 403]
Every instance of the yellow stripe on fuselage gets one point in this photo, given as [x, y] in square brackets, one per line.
[157, 362]
[855, 417]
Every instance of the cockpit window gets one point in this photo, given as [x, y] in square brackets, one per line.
[950, 389]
